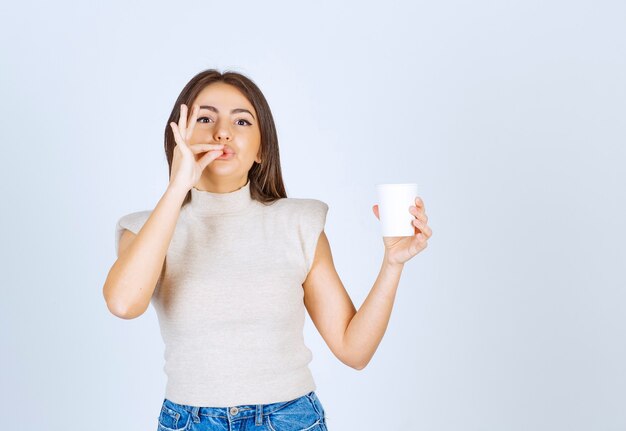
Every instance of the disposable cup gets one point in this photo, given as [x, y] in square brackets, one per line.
[394, 201]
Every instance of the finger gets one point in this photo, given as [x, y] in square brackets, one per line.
[419, 202]
[418, 212]
[192, 122]
[423, 227]
[421, 215]
[420, 240]
[182, 121]
[179, 140]
[201, 148]
[417, 224]
[209, 157]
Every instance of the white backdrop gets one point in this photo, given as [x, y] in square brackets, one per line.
[509, 115]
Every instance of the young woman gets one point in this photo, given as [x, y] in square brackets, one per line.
[230, 263]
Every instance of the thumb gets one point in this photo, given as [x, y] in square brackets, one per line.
[375, 209]
[209, 157]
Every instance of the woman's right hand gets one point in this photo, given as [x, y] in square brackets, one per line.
[186, 169]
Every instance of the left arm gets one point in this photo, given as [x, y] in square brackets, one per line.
[353, 336]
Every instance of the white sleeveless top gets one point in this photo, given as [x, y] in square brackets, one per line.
[229, 300]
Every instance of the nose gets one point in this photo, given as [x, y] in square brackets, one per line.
[222, 138]
[223, 134]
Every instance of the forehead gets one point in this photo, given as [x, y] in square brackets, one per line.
[223, 95]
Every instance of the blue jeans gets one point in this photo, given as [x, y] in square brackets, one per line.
[300, 414]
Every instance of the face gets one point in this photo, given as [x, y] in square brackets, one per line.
[227, 117]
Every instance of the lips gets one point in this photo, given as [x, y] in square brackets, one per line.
[228, 150]
[226, 156]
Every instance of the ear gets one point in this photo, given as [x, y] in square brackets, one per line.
[375, 209]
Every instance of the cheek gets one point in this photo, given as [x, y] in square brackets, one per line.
[251, 141]
[255, 134]
[200, 134]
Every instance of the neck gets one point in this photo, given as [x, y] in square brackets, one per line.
[218, 203]
[222, 186]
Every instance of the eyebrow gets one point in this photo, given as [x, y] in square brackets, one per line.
[234, 111]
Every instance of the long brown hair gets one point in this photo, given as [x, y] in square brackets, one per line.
[266, 180]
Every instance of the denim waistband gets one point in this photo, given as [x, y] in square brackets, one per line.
[241, 411]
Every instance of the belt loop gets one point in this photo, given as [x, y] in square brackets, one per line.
[259, 414]
[194, 414]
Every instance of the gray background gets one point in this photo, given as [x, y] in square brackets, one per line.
[509, 115]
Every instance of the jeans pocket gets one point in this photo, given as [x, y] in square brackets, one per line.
[300, 415]
[173, 417]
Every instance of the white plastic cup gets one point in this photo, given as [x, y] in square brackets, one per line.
[394, 201]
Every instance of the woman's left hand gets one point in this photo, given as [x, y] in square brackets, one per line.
[399, 249]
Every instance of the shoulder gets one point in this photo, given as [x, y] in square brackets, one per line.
[310, 218]
[314, 212]
[301, 205]
[133, 221]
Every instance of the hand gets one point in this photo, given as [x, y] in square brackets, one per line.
[186, 168]
[399, 249]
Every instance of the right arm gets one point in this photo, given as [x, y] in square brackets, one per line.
[133, 277]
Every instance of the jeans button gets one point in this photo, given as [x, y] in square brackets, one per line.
[234, 411]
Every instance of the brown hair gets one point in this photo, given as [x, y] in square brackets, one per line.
[266, 180]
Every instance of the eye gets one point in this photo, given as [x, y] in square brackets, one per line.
[208, 119]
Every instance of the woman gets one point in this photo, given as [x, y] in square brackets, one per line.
[230, 264]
